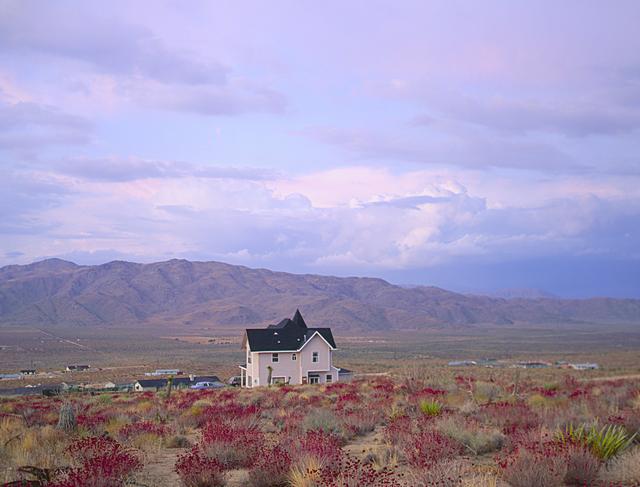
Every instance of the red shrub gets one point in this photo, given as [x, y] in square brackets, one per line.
[144, 427]
[233, 445]
[511, 418]
[271, 468]
[102, 463]
[398, 429]
[352, 473]
[426, 448]
[195, 469]
[323, 446]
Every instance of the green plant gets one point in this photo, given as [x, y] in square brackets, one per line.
[605, 443]
[431, 408]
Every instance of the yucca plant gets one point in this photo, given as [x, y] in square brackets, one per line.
[605, 443]
[431, 408]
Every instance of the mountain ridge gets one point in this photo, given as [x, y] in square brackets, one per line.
[215, 294]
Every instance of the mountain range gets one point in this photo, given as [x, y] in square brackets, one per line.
[217, 295]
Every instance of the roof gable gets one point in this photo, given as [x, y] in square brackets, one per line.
[317, 333]
[288, 335]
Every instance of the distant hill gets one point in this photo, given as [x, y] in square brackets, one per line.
[196, 294]
[528, 293]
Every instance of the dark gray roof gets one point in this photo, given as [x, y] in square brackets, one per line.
[289, 334]
[177, 381]
[344, 371]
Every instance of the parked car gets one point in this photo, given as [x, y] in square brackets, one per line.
[235, 381]
[207, 385]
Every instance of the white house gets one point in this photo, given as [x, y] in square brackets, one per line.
[288, 353]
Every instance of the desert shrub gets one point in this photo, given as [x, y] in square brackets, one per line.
[582, 466]
[196, 469]
[305, 472]
[428, 447]
[448, 473]
[475, 439]
[605, 442]
[622, 470]
[353, 473]
[398, 428]
[486, 392]
[384, 458]
[431, 408]
[534, 465]
[271, 468]
[144, 427]
[67, 418]
[233, 445]
[324, 420]
[320, 445]
[511, 418]
[177, 441]
[360, 422]
[101, 462]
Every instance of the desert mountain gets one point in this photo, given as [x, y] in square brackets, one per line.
[195, 294]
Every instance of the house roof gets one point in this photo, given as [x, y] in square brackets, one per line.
[177, 381]
[289, 334]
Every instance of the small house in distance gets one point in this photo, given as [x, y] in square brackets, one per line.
[165, 372]
[177, 382]
[289, 353]
[28, 371]
[76, 368]
[587, 366]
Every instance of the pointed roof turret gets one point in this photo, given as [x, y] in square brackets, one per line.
[288, 335]
[299, 320]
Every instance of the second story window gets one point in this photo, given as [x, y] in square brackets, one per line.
[275, 358]
[314, 357]
[249, 358]
[294, 356]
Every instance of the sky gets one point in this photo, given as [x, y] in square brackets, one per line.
[475, 146]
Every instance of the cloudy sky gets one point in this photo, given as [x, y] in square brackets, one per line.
[470, 145]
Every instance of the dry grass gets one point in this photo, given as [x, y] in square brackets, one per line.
[305, 472]
[623, 470]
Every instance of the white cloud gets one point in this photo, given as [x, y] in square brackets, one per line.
[400, 221]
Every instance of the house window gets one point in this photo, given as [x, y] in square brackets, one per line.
[314, 379]
[275, 358]
[329, 378]
[249, 381]
[278, 380]
[249, 358]
[294, 356]
[314, 357]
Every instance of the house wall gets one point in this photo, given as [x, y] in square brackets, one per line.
[292, 370]
[316, 344]
[285, 367]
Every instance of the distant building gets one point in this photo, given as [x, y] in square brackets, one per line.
[10, 376]
[586, 366]
[164, 372]
[533, 365]
[344, 375]
[288, 353]
[28, 371]
[77, 368]
[101, 386]
[462, 363]
[177, 382]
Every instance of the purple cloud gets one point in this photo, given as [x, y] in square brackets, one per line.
[115, 169]
[110, 44]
